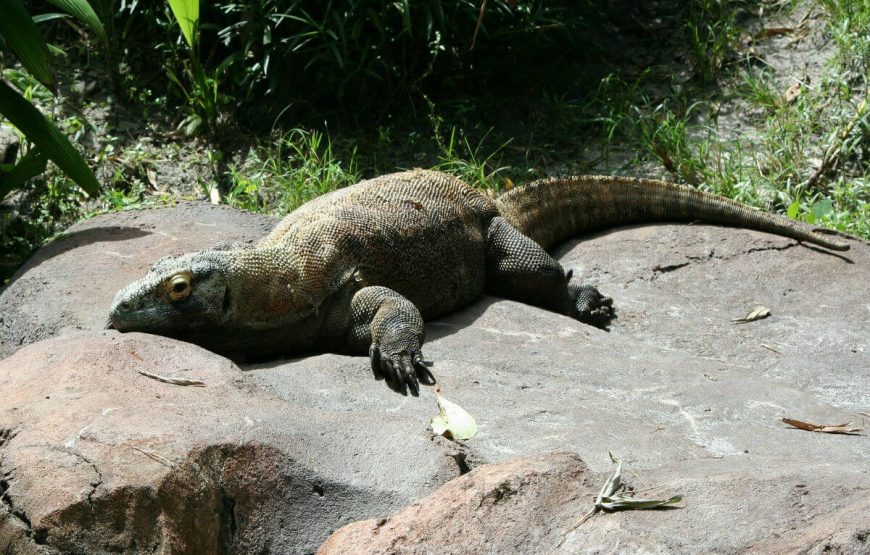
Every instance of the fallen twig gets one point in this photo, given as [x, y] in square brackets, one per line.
[173, 381]
[152, 455]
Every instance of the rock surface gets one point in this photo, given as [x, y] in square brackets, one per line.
[498, 508]
[96, 457]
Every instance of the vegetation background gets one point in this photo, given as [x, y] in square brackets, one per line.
[263, 104]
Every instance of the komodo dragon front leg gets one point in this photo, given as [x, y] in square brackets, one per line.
[520, 269]
[391, 328]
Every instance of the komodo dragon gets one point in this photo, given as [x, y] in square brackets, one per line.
[359, 269]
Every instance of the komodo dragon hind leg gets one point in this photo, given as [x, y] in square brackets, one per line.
[518, 268]
[392, 329]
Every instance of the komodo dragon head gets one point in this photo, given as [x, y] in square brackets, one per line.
[227, 300]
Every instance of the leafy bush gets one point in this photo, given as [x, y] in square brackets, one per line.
[358, 54]
[21, 35]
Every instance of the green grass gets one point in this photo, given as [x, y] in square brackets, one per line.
[808, 157]
[296, 167]
[477, 165]
[301, 164]
[674, 123]
[711, 32]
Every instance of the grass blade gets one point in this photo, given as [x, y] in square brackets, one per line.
[173, 380]
[24, 38]
[613, 482]
[81, 10]
[48, 138]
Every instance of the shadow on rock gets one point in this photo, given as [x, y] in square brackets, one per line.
[75, 239]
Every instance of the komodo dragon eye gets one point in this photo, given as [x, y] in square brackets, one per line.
[179, 286]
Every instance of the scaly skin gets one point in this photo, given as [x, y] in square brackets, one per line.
[358, 270]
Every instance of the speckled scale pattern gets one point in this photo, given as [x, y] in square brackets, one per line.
[520, 269]
[419, 233]
[554, 209]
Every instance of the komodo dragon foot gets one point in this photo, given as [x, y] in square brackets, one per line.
[589, 306]
[395, 329]
[401, 369]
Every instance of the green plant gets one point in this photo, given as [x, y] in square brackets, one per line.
[23, 37]
[855, 12]
[666, 133]
[309, 53]
[759, 90]
[850, 29]
[711, 32]
[203, 94]
[298, 166]
[469, 164]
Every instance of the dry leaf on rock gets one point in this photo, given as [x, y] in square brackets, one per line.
[757, 313]
[846, 428]
[453, 421]
[610, 498]
[151, 454]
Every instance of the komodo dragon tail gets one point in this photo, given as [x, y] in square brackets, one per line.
[555, 209]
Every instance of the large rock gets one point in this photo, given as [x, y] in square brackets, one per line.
[512, 507]
[542, 504]
[275, 456]
[97, 457]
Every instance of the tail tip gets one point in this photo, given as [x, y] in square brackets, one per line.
[822, 238]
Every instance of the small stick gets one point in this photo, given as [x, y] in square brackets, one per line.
[173, 381]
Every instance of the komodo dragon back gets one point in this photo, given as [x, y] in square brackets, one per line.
[359, 269]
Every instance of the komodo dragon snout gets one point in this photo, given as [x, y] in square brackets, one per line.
[178, 293]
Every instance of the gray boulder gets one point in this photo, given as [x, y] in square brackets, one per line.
[98, 457]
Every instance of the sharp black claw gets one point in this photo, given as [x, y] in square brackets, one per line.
[422, 371]
[375, 358]
[413, 386]
[397, 382]
[410, 376]
[425, 376]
